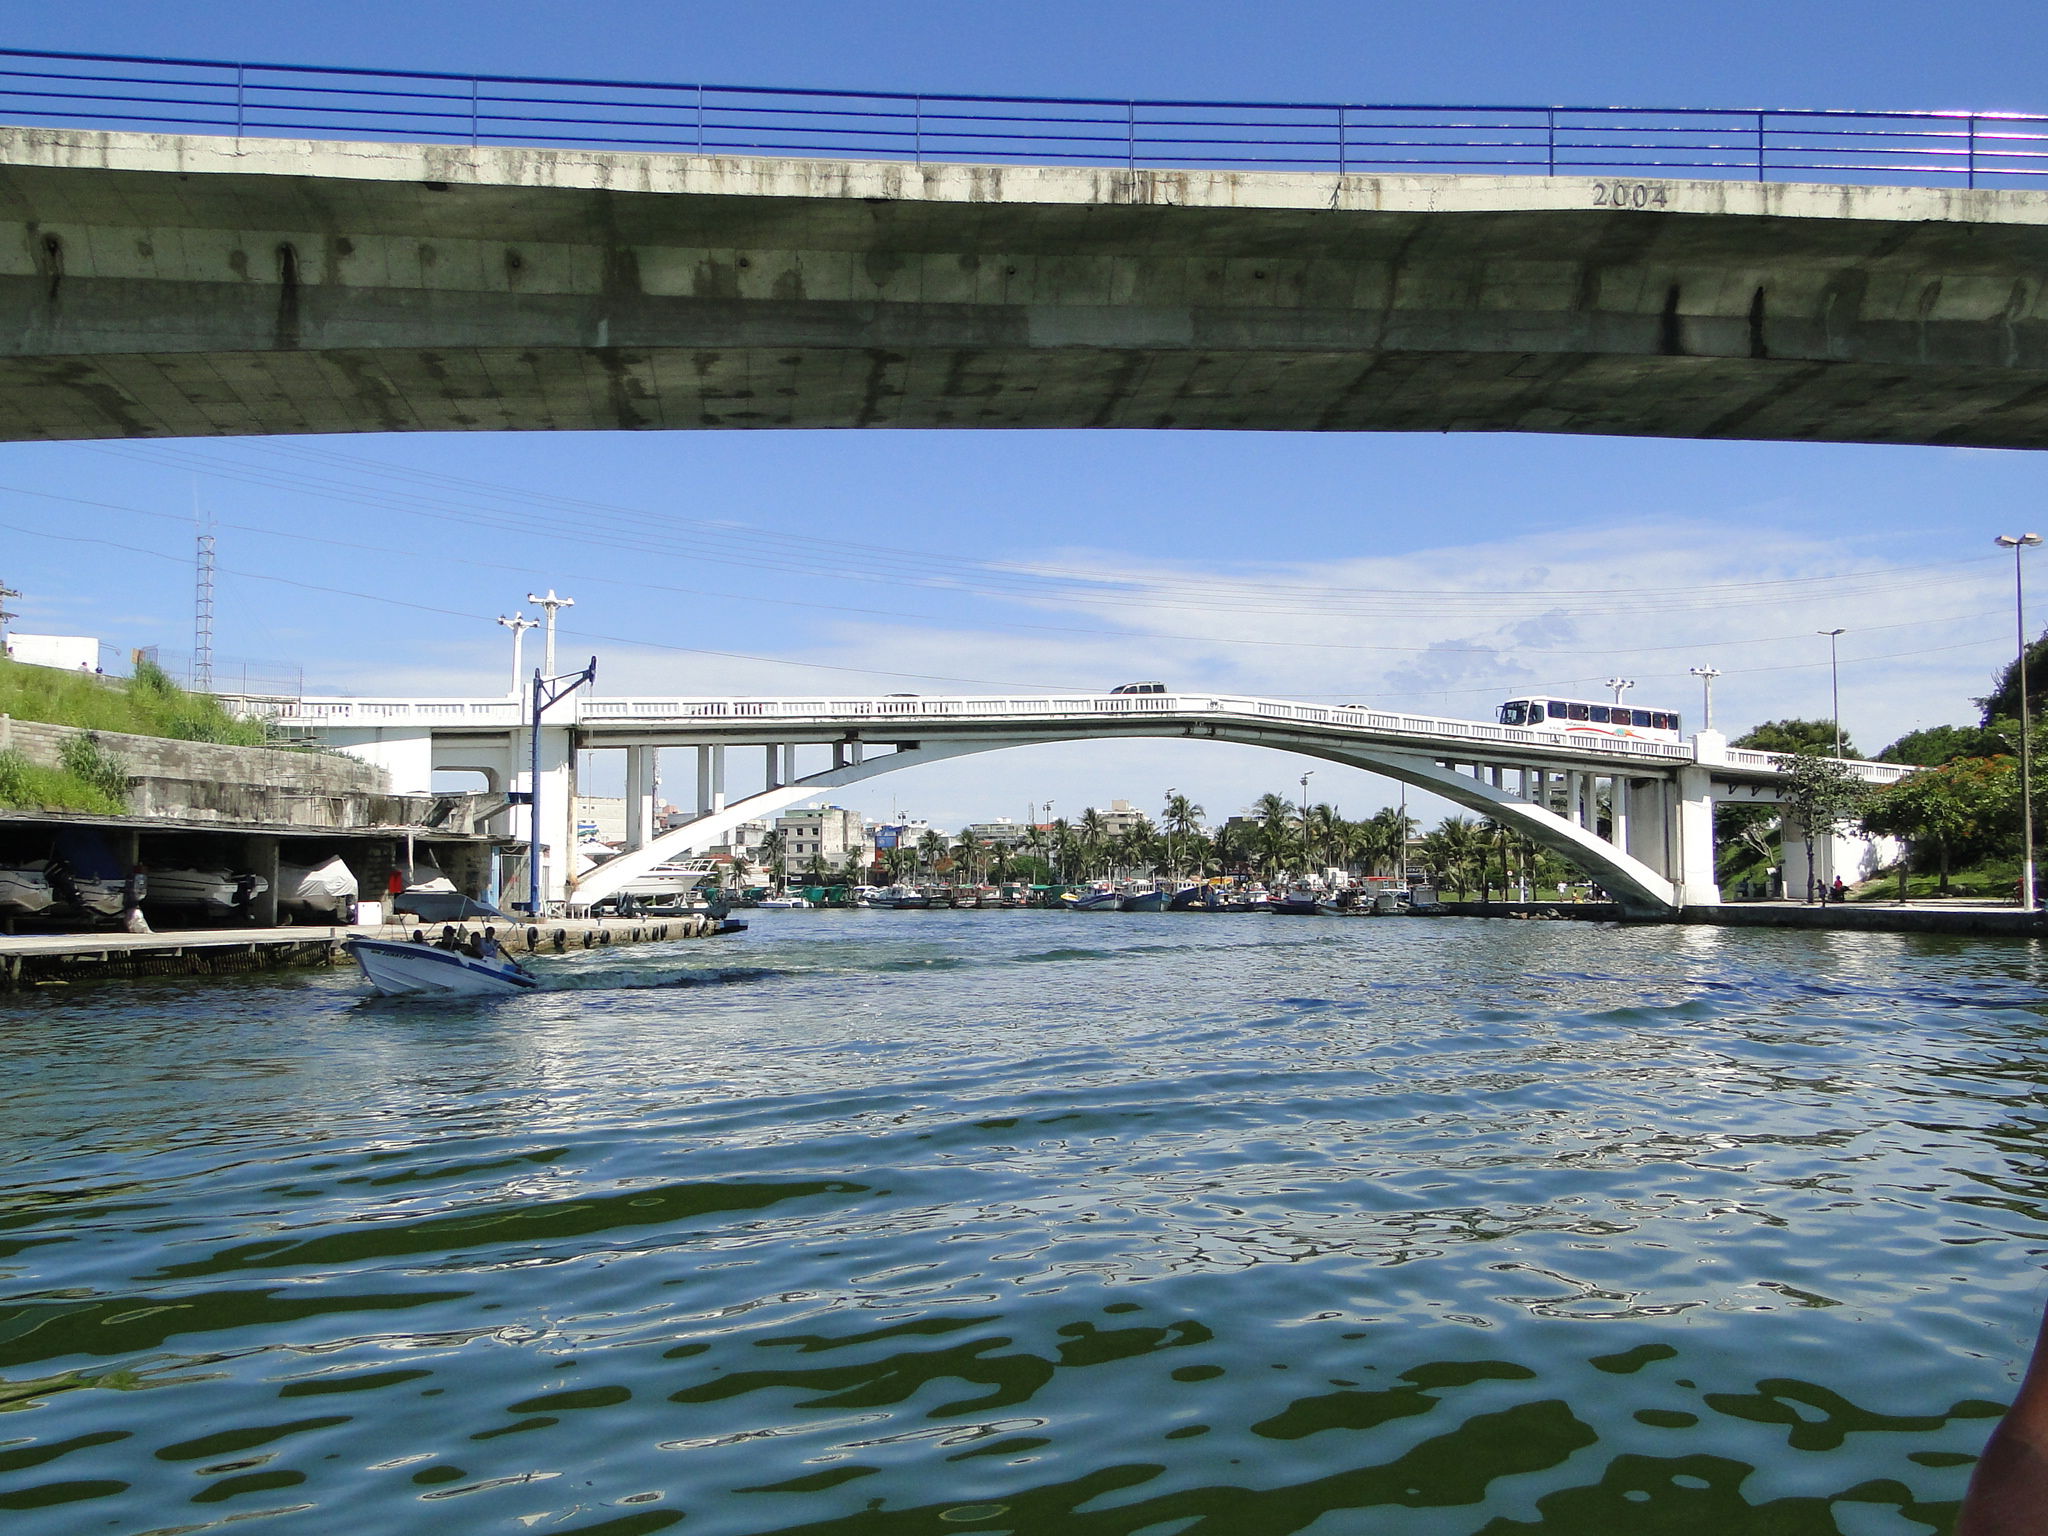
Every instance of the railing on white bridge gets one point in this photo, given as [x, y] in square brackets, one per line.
[824, 711]
[836, 712]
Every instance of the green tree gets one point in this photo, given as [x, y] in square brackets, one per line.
[1092, 836]
[1939, 744]
[1182, 821]
[2003, 702]
[1383, 841]
[1823, 796]
[1794, 736]
[768, 854]
[1944, 809]
[931, 848]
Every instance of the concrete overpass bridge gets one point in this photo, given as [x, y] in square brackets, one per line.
[815, 262]
[1635, 815]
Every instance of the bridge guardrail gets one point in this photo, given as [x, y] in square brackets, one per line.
[1632, 144]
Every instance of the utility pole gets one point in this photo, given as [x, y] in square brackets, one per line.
[1706, 675]
[551, 603]
[519, 624]
[5, 617]
[2017, 543]
[1620, 685]
[1835, 678]
[547, 691]
[202, 616]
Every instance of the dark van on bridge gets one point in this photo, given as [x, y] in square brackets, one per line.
[1139, 688]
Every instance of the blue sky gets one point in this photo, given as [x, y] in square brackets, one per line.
[1893, 544]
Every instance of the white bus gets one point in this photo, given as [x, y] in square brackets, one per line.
[1581, 717]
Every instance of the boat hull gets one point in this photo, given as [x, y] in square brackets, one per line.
[402, 969]
[1151, 901]
[25, 891]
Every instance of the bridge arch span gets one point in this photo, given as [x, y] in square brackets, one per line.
[1639, 889]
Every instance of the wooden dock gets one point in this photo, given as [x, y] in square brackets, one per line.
[32, 960]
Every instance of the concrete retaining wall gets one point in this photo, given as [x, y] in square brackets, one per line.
[1987, 922]
[206, 782]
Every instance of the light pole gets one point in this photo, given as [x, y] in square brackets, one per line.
[519, 624]
[2017, 543]
[1706, 675]
[551, 603]
[1170, 793]
[1307, 853]
[1835, 682]
[1620, 685]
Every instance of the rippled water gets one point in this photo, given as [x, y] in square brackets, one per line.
[904, 1223]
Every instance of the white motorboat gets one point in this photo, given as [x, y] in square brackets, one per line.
[327, 889]
[781, 903]
[213, 888]
[401, 968]
[25, 888]
[1102, 898]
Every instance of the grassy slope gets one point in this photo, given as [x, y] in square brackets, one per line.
[148, 704]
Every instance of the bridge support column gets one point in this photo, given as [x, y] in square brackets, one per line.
[703, 781]
[1575, 797]
[1694, 826]
[1648, 834]
[640, 763]
[789, 763]
[774, 778]
[1618, 792]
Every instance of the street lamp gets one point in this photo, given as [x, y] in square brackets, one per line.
[1835, 681]
[1706, 675]
[1620, 685]
[2017, 543]
[1307, 853]
[1170, 793]
[519, 624]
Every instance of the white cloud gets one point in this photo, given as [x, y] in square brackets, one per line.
[1451, 630]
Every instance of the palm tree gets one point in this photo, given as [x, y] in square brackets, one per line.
[1060, 844]
[1383, 841]
[1278, 837]
[769, 856]
[931, 847]
[1454, 849]
[1183, 822]
[1318, 827]
[1093, 833]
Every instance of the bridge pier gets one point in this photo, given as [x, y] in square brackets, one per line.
[640, 771]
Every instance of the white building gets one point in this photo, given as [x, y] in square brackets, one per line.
[1001, 832]
[602, 817]
[71, 653]
[826, 833]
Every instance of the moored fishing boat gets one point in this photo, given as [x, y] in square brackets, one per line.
[1100, 898]
[900, 898]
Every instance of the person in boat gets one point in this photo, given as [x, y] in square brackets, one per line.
[487, 946]
[450, 939]
[2009, 1490]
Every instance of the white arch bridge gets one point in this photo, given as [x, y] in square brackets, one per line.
[1637, 816]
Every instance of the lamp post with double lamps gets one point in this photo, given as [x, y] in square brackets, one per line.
[1706, 675]
[2018, 543]
[1307, 854]
[1835, 682]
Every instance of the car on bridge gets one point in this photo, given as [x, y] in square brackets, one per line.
[1139, 688]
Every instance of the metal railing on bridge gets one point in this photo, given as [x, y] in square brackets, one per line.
[214, 96]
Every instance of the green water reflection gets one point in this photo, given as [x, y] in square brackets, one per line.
[1120, 1225]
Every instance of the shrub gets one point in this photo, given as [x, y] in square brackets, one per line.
[90, 763]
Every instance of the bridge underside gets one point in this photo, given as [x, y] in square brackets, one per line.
[157, 286]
